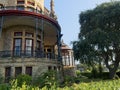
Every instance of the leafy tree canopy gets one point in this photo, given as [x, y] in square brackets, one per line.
[99, 37]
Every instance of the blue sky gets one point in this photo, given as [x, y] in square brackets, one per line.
[68, 12]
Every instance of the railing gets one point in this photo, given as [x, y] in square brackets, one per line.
[31, 9]
[27, 54]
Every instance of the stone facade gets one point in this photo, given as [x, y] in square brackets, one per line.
[39, 4]
[30, 38]
[38, 65]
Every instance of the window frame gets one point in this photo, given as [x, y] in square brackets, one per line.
[20, 2]
[31, 46]
[28, 70]
[28, 35]
[18, 33]
[14, 54]
[16, 70]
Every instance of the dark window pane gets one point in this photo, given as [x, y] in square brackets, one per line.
[28, 47]
[18, 70]
[29, 34]
[29, 71]
[20, 2]
[18, 34]
[17, 47]
[49, 68]
[20, 7]
[7, 74]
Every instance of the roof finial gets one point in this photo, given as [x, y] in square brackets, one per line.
[52, 7]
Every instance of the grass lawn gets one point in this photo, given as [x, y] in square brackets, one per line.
[85, 84]
[96, 84]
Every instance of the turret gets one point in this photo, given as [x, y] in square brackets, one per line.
[52, 12]
[52, 7]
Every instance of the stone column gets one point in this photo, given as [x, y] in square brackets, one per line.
[59, 46]
[23, 69]
[12, 71]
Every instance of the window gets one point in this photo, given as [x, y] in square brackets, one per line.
[18, 34]
[18, 71]
[28, 47]
[59, 68]
[7, 74]
[29, 71]
[20, 7]
[55, 68]
[17, 46]
[29, 34]
[20, 2]
[49, 68]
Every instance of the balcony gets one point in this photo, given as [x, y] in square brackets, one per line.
[27, 54]
[30, 9]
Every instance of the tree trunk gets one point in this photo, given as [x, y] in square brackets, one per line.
[112, 70]
[112, 73]
[100, 69]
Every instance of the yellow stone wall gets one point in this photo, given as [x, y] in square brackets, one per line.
[8, 2]
[6, 41]
[38, 3]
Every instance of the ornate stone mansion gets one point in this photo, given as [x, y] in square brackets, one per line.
[30, 38]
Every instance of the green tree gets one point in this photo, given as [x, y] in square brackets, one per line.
[99, 37]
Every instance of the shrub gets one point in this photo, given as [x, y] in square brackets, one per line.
[1, 79]
[23, 78]
[46, 79]
[4, 87]
[78, 72]
[94, 72]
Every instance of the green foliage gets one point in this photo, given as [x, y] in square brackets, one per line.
[4, 87]
[1, 79]
[94, 72]
[23, 78]
[46, 79]
[78, 73]
[85, 84]
[99, 36]
[91, 85]
[24, 86]
[69, 80]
